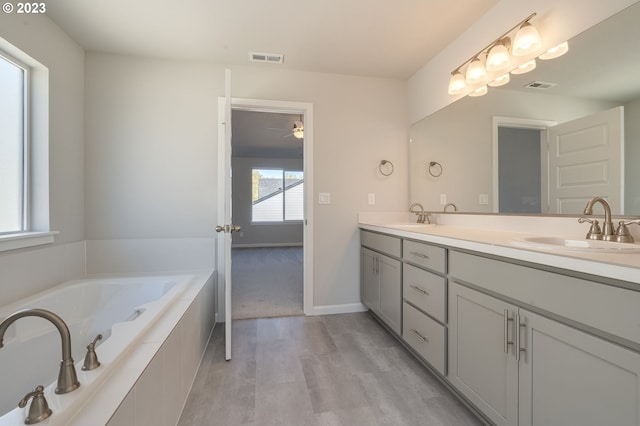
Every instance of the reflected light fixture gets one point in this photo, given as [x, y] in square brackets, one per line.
[500, 81]
[526, 67]
[479, 91]
[526, 41]
[555, 52]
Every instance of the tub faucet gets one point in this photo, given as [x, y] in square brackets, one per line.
[607, 226]
[67, 378]
[422, 215]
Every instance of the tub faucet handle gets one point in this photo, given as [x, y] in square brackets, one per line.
[622, 233]
[39, 409]
[91, 358]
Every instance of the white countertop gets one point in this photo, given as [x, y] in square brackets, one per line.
[619, 266]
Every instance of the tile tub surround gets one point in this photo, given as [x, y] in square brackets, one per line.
[491, 234]
[343, 369]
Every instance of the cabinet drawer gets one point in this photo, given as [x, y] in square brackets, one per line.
[425, 336]
[382, 243]
[426, 255]
[424, 290]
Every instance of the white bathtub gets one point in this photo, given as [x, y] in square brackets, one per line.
[122, 309]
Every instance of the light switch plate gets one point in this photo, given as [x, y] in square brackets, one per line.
[371, 198]
[324, 198]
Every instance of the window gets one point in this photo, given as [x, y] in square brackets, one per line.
[13, 146]
[277, 195]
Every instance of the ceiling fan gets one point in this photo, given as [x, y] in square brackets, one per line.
[297, 131]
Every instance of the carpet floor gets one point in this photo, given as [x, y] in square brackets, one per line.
[266, 282]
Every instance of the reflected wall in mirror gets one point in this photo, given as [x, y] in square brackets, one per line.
[600, 72]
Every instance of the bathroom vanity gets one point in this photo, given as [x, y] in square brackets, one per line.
[527, 335]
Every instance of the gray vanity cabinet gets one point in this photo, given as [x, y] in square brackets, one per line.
[381, 278]
[523, 368]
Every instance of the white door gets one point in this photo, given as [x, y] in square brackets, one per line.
[224, 206]
[585, 160]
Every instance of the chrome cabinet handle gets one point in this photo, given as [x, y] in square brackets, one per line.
[419, 290]
[417, 254]
[419, 336]
[518, 347]
[507, 342]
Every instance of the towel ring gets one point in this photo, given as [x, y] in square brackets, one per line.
[438, 169]
[381, 166]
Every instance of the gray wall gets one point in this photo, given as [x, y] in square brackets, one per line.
[259, 235]
[519, 168]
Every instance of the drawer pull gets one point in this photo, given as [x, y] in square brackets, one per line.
[418, 254]
[419, 290]
[519, 324]
[507, 342]
[419, 336]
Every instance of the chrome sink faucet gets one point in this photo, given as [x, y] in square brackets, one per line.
[67, 378]
[607, 227]
[422, 215]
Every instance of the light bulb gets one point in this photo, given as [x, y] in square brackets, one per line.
[499, 58]
[457, 83]
[526, 41]
[476, 71]
[555, 52]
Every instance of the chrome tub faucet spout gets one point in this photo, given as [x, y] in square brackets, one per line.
[67, 378]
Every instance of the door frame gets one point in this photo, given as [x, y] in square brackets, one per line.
[520, 123]
[287, 107]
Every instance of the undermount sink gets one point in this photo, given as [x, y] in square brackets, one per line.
[593, 246]
[412, 226]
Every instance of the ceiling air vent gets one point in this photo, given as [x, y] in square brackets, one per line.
[272, 58]
[540, 85]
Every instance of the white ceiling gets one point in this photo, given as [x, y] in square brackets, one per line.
[381, 38]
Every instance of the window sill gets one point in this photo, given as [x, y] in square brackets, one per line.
[26, 239]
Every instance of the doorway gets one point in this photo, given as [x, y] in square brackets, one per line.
[305, 110]
[268, 186]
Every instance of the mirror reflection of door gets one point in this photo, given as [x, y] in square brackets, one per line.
[519, 170]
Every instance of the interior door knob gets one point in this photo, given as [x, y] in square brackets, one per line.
[220, 228]
[235, 228]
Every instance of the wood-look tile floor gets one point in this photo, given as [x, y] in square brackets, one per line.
[319, 371]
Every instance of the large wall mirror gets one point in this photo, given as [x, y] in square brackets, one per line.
[499, 153]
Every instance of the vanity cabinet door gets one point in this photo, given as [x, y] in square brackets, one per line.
[482, 365]
[568, 377]
[381, 287]
[370, 284]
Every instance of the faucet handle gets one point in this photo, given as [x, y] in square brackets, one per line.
[622, 233]
[595, 233]
[39, 409]
[91, 358]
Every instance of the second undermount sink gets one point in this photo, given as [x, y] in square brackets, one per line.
[593, 246]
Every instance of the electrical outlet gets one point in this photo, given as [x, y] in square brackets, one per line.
[443, 199]
[324, 198]
[371, 198]
[483, 199]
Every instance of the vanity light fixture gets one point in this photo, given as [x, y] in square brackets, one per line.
[457, 84]
[508, 53]
[527, 40]
[499, 58]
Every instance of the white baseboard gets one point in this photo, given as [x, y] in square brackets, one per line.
[339, 309]
[266, 245]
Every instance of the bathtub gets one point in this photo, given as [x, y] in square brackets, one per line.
[125, 310]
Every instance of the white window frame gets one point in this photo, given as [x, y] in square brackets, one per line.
[29, 236]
